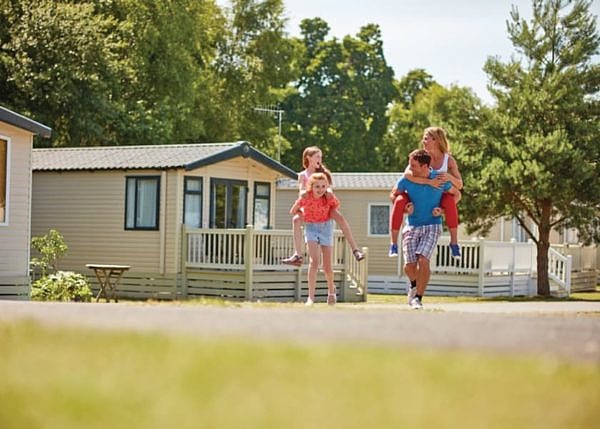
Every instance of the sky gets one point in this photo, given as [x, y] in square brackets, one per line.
[450, 39]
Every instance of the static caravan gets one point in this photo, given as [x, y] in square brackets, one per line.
[16, 142]
[127, 205]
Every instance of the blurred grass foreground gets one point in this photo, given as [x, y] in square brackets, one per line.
[74, 378]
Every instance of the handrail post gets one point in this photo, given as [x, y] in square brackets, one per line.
[183, 264]
[364, 273]
[347, 270]
[513, 264]
[249, 260]
[568, 268]
[481, 273]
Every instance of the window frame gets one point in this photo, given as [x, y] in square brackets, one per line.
[157, 206]
[186, 192]
[378, 204]
[5, 221]
[214, 181]
[267, 199]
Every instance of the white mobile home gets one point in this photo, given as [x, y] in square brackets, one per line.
[16, 142]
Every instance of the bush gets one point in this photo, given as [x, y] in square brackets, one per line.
[62, 286]
[51, 247]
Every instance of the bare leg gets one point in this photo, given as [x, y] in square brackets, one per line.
[296, 258]
[327, 252]
[313, 253]
[411, 271]
[345, 227]
[297, 222]
[423, 274]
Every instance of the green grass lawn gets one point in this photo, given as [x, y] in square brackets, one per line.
[73, 379]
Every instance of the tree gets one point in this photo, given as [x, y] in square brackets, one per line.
[56, 67]
[340, 98]
[412, 84]
[456, 109]
[108, 73]
[540, 158]
[254, 64]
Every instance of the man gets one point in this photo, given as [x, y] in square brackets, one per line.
[424, 225]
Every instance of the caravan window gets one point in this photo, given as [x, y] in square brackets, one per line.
[192, 202]
[262, 205]
[142, 202]
[228, 203]
[379, 219]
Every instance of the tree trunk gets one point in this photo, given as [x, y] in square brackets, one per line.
[543, 284]
[543, 244]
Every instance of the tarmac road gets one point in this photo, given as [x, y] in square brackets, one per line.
[564, 330]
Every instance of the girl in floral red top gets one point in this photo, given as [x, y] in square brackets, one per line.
[316, 208]
[312, 160]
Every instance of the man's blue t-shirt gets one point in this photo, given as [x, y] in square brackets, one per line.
[424, 198]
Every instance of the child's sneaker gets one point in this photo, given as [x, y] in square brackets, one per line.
[331, 299]
[455, 249]
[309, 301]
[358, 255]
[393, 251]
[295, 260]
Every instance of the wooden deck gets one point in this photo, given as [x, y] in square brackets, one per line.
[489, 268]
[244, 264]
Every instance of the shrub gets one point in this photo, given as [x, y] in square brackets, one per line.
[62, 286]
[51, 247]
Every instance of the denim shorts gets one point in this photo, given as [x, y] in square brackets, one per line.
[321, 232]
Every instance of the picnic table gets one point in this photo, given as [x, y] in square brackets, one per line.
[108, 277]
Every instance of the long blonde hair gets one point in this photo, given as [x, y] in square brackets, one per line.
[439, 135]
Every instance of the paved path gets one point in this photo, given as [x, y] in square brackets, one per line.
[569, 330]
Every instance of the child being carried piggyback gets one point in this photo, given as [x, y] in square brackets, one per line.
[316, 209]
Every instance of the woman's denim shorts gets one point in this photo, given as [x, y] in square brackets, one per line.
[321, 232]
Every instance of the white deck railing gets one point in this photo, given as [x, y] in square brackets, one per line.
[583, 257]
[485, 257]
[228, 248]
[248, 249]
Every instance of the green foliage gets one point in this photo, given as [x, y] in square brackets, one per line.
[254, 63]
[340, 98]
[62, 286]
[56, 60]
[110, 72]
[456, 109]
[51, 247]
[540, 158]
[411, 85]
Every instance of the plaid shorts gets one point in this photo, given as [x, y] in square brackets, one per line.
[419, 240]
